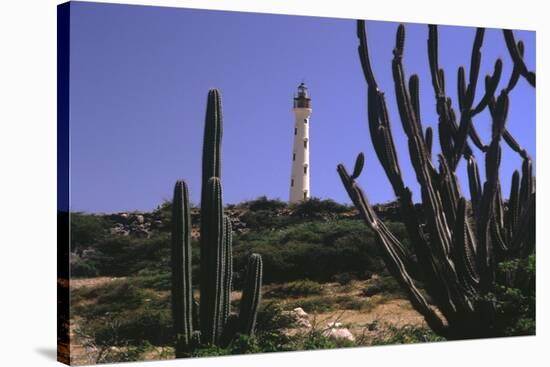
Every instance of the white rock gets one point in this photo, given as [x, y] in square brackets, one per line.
[299, 311]
[339, 333]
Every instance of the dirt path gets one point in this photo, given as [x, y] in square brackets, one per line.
[92, 282]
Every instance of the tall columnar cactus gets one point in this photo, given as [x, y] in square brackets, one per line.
[216, 264]
[182, 290]
[456, 247]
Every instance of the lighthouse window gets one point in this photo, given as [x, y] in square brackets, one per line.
[305, 144]
[305, 170]
[292, 183]
[305, 194]
[293, 156]
[295, 130]
[305, 121]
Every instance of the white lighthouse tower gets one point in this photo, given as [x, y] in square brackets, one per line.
[299, 178]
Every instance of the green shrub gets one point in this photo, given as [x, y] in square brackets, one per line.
[81, 268]
[122, 313]
[317, 208]
[125, 255]
[407, 334]
[515, 296]
[130, 353]
[262, 220]
[210, 351]
[297, 288]
[110, 299]
[344, 278]
[313, 250]
[87, 230]
[314, 304]
[382, 284]
[316, 340]
[323, 304]
[263, 203]
[159, 280]
[275, 341]
[271, 318]
[145, 324]
[347, 302]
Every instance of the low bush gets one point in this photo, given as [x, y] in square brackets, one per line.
[297, 288]
[316, 341]
[348, 302]
[314, 304]
[80, 268]
[405, 335]
[160, 280]
[120, 313]
[314, 250]
[272, 317]
[263, 203]
[87, 230]
[274, 342]
[318, 208]
[382, 284]
[515, 296]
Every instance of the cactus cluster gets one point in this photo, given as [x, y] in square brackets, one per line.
[214, 324]
[456, 247]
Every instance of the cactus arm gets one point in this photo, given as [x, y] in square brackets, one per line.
[513, 205]
[517, 58]
[393, 253]
[514, 77]
[465, 249]
[363, 50]
[414, 91]
[182, 291]
[251, 297]
[475, 184]
[428, 138]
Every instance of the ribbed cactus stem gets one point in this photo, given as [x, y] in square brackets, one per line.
[182, 291]
[213, 131]
[250, 301]
[212, 263]
[228, 271]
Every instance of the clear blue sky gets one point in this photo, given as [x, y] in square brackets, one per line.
[140, 76]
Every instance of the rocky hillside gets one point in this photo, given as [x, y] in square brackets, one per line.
[142, 224]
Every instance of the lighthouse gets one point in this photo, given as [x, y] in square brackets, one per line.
[299, 177]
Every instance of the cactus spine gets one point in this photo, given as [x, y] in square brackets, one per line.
[456, 251]
[216, 263]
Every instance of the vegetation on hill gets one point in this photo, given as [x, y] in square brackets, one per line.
[296, 243]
